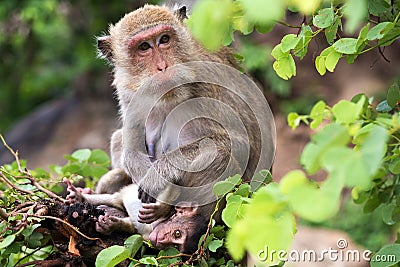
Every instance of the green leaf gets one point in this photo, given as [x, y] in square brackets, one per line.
[324, 19]
[394, 166]
[293, 120]
[392, 250]
[346, 45]
[383, 107]
[379, 30]
[285, 67]
[372, 203]
[331, 31]
[387, 211]
[98, 156]
[289, 42]
[330, 136]
[169, 252]
[263, 11]
[374, 148]
[263, 29]
[210, 22]
[243, 190]
[302, 196]
[81, 154]
[233, 211]
[347, 112]
[390, 37]
[355, 12]
[362, 37]
[277, 52]
[215, 244]
[376, 7]
[317, 114]
[305, 36]
[133, 243]
[331, 60]
[97, 171]
[393, 95]
[357, 167]
[7, 241]
[111, 256]
[327, 60]
[268, 211]
[29, 229]
[149, 260]
[320, 65]
[33, 241]
[243, 25]
[261, 178]
[223, 187]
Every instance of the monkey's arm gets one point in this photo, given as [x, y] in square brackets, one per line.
[165, 170]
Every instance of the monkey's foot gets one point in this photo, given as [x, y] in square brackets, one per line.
[106, 224]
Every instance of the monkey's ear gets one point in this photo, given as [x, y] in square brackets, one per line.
[180, 13]
[104, 47]
[186, 209]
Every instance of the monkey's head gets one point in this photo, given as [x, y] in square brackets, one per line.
[145, 42]
[182, 230]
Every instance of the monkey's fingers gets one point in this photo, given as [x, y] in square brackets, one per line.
[146, 218]
[70, 187]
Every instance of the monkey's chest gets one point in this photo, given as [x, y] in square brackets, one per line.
[168, 135]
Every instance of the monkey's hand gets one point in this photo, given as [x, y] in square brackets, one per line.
[75, 194]
[153, 211]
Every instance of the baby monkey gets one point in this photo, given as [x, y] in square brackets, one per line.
[165, 226]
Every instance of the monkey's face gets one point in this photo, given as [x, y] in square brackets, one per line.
[181, 231]
[145, 42]
[170, 233]
[153, 50]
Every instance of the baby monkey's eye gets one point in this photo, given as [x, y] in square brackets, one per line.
[144, 46]
[164, 39]
[177, 234]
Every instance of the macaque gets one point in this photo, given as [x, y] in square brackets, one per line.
[183, 130]
[180, 228]
[147, 49]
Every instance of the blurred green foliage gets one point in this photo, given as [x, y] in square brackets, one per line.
[46, 46]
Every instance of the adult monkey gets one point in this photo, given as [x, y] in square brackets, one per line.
[189, 118]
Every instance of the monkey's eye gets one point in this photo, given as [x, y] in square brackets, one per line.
[177, 234]
[144, 46]
[164, 39]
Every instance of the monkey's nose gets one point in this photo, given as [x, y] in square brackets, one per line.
[162, 65]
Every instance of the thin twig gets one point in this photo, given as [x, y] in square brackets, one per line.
[14, 153]
[284, 23]
[9, 183]
[380, 49]
[44, 190]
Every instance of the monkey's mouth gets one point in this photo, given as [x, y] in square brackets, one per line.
[153, 237]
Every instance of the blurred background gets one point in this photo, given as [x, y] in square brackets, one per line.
[56, 96]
